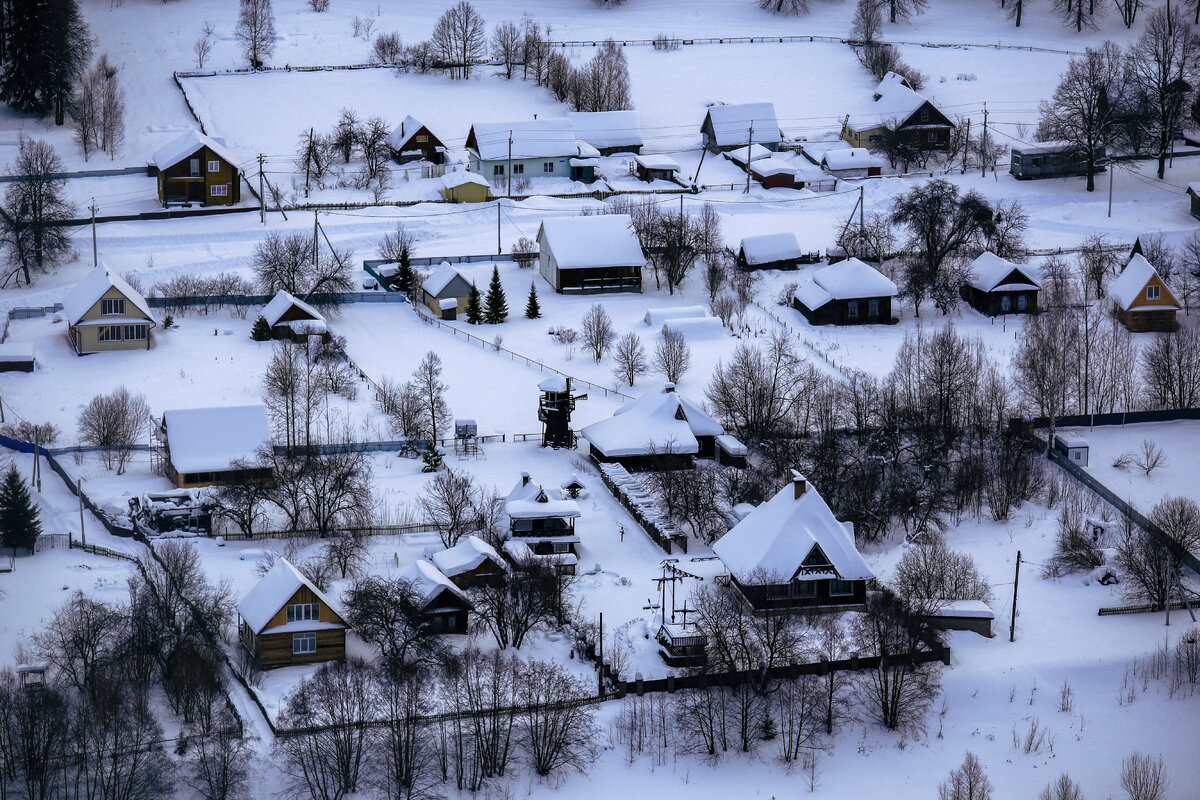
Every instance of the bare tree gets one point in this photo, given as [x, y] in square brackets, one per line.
[930, 575]
[968, 782]
[386, 613]
[630, 357]
[597, 331]
[506, 46]
[405, 753]
[114, 749]
[897, 693]
[288, 261]
[531, 596]
[202, 48]
[401, 404]
[220, 761]
[1144, 778]
[556, 733]
[867, 21]
[435, 411]
[1062, 788]
[1164, 63]
[901, 10]
[255, 30]
[1149, 569]
[111, 117]
[241, 502]
[1046, 351]
[1079, 14]
[115, 422]
[1171, 369]
[82, 642]
[786, 8]
[448, 503]
[603, 83]
[34, 738]
[1179, 518]
[460, 37]
[672, 355]
[1097, 261]
[387, 49]
[34, 206]
[337, 493]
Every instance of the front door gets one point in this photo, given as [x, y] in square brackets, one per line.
[195, 191]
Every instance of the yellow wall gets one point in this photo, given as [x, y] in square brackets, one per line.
[1165, 298]
[87, 336]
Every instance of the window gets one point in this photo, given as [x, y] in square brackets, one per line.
[874, 139]
[873, 308]
[194, 168]
[303, 612]
[497, 169]
[421, 138]
[518, 169]
[1022, 302]
[214, 166]
[1037, 162]
[562, 547]
[1076, 455]
[924, 115]
[806, 588]
[1152, 292]
[852, 309]
[135, 333]
[840, 588]
[110, 334]
[451, 623]
[1005, 303]
[547, 166]
[219, 190]
[304, 643]
[931, 136]
[112, 306]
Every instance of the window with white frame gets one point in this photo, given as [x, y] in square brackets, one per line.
[112, 306]
[303, 612]
[547, 166]
[135, 333]
[219, 190]
[304, 643]
[497, 169]
[214, 166]
[1152, 292]
[111, 333]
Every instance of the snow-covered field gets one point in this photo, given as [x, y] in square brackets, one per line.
[1175, 477]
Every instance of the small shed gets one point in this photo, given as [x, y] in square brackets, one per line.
[445, 292]
[582, 255]
[682, 645]
[293, 319]
[769, 251]
[731, 452]
[212, 446]
[652, 168]
[774, 173]
[960, 615]
[659, 316]
[465, 187]
[413, 141]
[851, 162]
[1047, 160]
[1073, 446]
[16, 357]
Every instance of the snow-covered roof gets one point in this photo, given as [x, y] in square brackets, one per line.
[607, 128]
[284, 300]
[452, 180]
[895, 101]
[209, 439]
[845, 280]
[447, 303]
[771, 166]
[1039, 148]
[528, 500]
[1127, 287]
[441, 279]
[177, 150]
[848, 158]
[1194, 188]
[658, 421]
[731, 123]
[94, 286]
[586, 154]
[531, 138]
[603, 240]
[520, 550]
[657, 316]
[731, 445]
[465, 556]
[696, 328]
[752, 153]
[16, 351]
[989, 270]
[273, 592]
[776, 538]
[1067, 439]
[555, 383]
[768, 247]
[652, 161]
[404, 132]
[974, 609]
[427, 582]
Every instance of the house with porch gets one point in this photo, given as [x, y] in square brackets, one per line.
[898, 110]
[792, 553]
[998, 286]
[215, 446]
[582, 255]
[727, 127]
[532, 148]
[104, 312]
[413, 141]
[609, 132]
[285, 621]
[441, 607]
[197, 169]
[850, 292]
[470, 563]
[541, 525]
[1142, 300]
[292, 319]
[445, 292]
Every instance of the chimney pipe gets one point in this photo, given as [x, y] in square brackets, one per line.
[669, 387]
[524, 478]
[799, 485]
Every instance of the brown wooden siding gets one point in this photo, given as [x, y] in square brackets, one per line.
[764, 597]
[275, 649]
[991, 304]
[1148, 321]
[177, 184]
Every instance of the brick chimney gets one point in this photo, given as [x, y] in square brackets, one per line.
[669, 387]
[799, 485]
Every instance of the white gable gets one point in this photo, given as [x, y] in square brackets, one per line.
[989, 269]
[284, 300]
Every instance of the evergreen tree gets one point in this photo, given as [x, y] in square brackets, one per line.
[495, 304]
[261, 332]
[19, 523]
[532, 309]
[47, 48]
[431, 459]
[474, 313]
[404, 274]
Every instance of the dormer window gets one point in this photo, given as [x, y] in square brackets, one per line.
[1152, 292]
[924, 115]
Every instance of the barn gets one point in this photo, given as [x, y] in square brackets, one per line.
[582, 255]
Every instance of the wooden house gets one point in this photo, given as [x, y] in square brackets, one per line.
[850, 292]
[1193, 192]
[285, 620]
[650, 168]
[534, 148]
[212, 446]
[465, 187]
[998, 286]
[292, 319]
[851, 162]
[897, 110]
[1142, 300]
[442, 607]
[769, 251]
[197, 169]
[583, 255]
[104, 312]
[610, 132]
[727, 127]
[445, 292]
[541, 526]
[470, 563]
[413, 141]
[791, 552]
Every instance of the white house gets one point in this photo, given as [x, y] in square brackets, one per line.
[532, 148]
[590, 254]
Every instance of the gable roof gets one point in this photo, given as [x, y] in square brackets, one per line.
[282, 301]
[1127, 287]
[776, 537]
[654, 422]
[465, 556]
[754, 152]
[768, 247]
[603, 240]
[771, 166]
[528, 500]
[731, 123]
[441, 279]
[894, 101]
[177, 150]
[406, 130]
[210, 439]
[607, 128]
[848, 158]
[427, 582]
[845, 280]
[989, 270]
[94, 286]
[531, 138]
[273, 592]
[460, 177]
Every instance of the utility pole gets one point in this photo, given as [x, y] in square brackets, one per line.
[308, 160]
[1167, 594]
[862, 211]
[966, 147]
[983, 146]
[262, 197]
[1012, 628]
[600, 672]
[316, 246]
[95, 259]
[499, 249]
[749, 144]
[508, 174]
[82, 530]
[1112, 174]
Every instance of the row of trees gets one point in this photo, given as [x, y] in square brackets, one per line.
[318, 154]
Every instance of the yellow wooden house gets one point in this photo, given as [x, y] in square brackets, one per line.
[104, 312]
[1141, 298]
[286, 620]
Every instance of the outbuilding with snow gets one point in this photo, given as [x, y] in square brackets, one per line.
[445, 292]
[219, 445]
[769, 251]
[293, 319]
[582, 255]
[850, 292]
[726, 127]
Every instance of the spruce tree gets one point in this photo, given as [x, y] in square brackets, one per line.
[474, 313]
[495, 304]
[532, 309]
[404, 275]
[19, 523]
[46, 50]
[431, 459]
[261, 332]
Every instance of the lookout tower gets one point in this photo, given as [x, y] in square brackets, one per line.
[555, 411]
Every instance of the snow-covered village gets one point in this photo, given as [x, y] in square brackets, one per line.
[450, 399]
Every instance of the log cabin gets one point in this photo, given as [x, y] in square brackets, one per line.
[292, 319]
[285, 620]
[850, 292]
[996, 286]
[470, 563]
[441, 606]
[215, 446]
